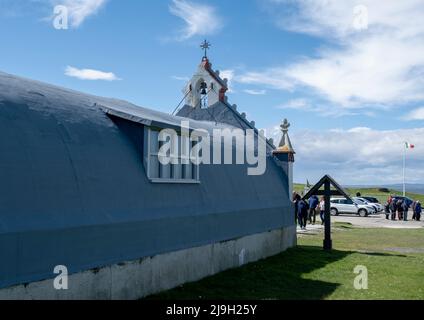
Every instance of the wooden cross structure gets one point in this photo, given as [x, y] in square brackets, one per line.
[327, 182]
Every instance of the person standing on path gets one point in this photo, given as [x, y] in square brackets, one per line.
[399, 207]
[313, 204]
[296, 199]
[405, 209]
[393, 209]
[302, 213]
[322, 210]
[413, 209]
[387, 210]
[418, 211]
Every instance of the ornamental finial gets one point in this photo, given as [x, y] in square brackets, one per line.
[285, 145]
[285, 126]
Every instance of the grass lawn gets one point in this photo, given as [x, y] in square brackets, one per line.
[394, 258]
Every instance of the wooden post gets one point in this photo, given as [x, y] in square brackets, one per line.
[328, 244]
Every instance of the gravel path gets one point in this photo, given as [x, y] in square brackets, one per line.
[375, 221]
[379, 221]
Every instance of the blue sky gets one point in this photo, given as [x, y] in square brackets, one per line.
[353, 92]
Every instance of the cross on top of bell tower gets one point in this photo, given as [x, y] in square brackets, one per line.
[205, 46]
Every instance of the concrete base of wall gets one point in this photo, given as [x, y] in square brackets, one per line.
[138, 279]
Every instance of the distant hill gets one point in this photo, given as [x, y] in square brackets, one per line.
[373, 192]
[414, 188]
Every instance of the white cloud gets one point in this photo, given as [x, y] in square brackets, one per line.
[79, 10]
[417, 114]
[90, 74]
[274, 78]
[297, 104]
[380, 67]
[255, 92]
[229, 75]
[357, 155]
[323, 110]
[179, 78]
[200, 19]
[19, 8]
[377, 70]
[336, 19]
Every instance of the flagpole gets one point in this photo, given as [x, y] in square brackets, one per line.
[404, 165]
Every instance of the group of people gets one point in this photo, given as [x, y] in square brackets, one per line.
[307, 210]
[399, 208]
[395, 208]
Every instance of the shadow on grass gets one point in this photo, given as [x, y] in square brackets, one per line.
[381, 254]
[278, 277]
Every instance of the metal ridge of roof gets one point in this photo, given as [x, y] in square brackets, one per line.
[19, 88]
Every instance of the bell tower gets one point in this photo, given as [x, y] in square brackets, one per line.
[206, 87]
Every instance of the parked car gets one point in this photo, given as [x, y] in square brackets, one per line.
[375, 201]
[371, 199]
[343, 206]
[362, 200]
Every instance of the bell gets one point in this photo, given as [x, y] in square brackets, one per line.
[203, 86]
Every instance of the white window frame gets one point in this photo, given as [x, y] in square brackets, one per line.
[148, 154]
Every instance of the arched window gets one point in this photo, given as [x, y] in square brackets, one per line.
[201, 94]
[204, 95]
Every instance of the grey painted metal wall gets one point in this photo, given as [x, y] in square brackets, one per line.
[73, 189]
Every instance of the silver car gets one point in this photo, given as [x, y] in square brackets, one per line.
[347, 206]
[378, 207]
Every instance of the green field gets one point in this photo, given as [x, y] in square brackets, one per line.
[394, 258]
[371, 192]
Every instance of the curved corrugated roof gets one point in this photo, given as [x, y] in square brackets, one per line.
[73, 189]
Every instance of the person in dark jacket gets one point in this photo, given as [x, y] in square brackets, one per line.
[387, 210]
[413, 210]
[393, 209]
[399, 207]
[417, 211]
[313, 204]
[405, 209]
[296, 199]
[302, 214]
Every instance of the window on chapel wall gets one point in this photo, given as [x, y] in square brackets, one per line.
[181, 170]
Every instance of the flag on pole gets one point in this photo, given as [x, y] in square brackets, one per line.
[409, 145]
